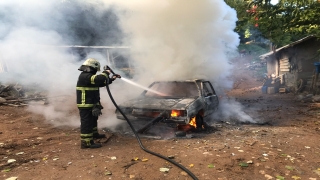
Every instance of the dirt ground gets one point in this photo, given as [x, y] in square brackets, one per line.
[284, 144]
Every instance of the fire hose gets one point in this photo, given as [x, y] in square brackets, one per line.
[137, 136]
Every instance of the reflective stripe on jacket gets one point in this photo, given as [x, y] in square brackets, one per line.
[88, 89]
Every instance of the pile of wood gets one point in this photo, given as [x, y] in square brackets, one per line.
[16, 95]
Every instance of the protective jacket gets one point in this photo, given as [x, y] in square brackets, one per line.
[88, 84]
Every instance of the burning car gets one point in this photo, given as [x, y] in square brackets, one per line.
[180, 102]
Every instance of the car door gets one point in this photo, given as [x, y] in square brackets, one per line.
[210, 97]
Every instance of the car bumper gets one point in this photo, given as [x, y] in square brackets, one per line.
[179, 120]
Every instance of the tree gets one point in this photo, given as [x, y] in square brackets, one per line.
[286, 21]
[244, 27]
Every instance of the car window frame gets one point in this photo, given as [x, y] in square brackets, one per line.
[205, 87]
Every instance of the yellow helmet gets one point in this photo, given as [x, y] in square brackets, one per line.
[92, 63]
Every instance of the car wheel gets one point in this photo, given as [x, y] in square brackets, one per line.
[180, 133]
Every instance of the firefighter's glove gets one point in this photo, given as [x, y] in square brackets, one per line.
[106, 72]
[96, 110]
[115, 76]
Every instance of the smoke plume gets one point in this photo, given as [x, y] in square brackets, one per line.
[168, 40]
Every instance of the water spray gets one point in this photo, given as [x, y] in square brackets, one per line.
[140, 86]
[107, 68]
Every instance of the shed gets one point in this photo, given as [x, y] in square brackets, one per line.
[293, 64]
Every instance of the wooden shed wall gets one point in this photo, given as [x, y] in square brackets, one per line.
[296, 62]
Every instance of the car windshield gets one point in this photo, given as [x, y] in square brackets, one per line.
[173, 89]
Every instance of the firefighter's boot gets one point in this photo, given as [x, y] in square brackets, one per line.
[89, 144]
[98, 136]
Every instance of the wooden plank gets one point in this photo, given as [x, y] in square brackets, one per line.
[285, 70]
[284, 59]
[284, 67]
[282, 90]
[284, 63]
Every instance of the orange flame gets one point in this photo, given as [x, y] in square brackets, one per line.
[176, 113]
[193, 122]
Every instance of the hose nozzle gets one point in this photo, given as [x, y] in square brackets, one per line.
[107, 68]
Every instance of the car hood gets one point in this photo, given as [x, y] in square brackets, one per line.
[157, 103]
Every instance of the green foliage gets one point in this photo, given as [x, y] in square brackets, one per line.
[242, 24]
[247, 33]
[281, 23]
[286, 21]
[256, 49]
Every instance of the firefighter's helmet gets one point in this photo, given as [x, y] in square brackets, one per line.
[92, 63]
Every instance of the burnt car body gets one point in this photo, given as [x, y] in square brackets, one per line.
[174, 101]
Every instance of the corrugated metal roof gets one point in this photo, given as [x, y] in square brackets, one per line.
[263, 56]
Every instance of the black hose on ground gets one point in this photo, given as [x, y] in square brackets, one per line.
[140, 143]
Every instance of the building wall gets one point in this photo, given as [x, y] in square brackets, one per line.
[304, 59]
[295, 62]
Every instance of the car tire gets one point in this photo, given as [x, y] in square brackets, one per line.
[180, 134]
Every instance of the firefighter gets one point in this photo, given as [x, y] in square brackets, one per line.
[88, 101]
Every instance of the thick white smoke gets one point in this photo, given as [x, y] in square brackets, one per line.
[175, 40]
[178, 40]
[168, 39]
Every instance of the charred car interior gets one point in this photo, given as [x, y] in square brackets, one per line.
[183, 103]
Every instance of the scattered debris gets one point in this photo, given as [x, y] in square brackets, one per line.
[290, 168]
[243, 164]
[12, 178]
[11, 160]
[164, 169]
[17, 95]
[108, 173]
[296, 177]
[268, 176]
[135, 159]
[6, 170]
[128, 165]
[144, 160]
[280, 177]
[131, 176]
[183, 173]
